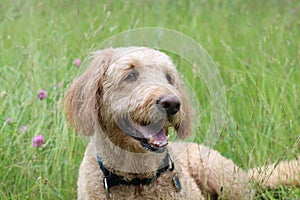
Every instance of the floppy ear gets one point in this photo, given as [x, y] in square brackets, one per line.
[185, 128]
[82, 101]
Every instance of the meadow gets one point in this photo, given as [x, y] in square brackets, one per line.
[255, 45]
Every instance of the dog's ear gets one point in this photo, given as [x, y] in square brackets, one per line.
[185, 128]
[82, 101]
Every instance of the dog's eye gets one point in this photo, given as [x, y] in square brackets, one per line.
[169, 79]
[132, 76]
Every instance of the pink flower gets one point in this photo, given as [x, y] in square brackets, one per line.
[42, 94]
[23, 128]
[59, 84]
[38, 141]
[77, 62]
[9, 120]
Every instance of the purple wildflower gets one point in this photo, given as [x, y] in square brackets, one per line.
[59, 84]
[77, 62]
[22, 128]
[38, 141]
[42, 94]
[9, 120]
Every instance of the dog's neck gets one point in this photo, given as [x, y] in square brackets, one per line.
[124, 163]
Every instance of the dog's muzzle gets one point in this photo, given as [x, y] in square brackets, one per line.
[153, 136]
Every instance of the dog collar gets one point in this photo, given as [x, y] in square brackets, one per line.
[111, 179]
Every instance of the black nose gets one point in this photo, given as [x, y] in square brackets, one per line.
[170, 103]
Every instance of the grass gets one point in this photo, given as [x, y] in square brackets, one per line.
[255, 45]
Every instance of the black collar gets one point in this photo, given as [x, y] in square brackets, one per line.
[111, 179]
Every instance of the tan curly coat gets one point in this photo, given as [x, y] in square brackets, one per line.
[129, 82]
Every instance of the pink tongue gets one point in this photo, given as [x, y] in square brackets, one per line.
[160, 136]
[153, 132]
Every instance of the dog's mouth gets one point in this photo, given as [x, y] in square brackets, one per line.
[152, 136]
[155, 136]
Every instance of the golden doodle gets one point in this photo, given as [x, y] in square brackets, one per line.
[128, 101]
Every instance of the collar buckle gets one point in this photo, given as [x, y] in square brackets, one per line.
[105, 184]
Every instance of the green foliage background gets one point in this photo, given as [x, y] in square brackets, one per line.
[255, 44]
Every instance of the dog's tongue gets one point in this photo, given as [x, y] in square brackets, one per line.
[160, 136]
[159, 139]
[155, 135]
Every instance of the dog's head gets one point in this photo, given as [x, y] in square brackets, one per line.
[134, 94]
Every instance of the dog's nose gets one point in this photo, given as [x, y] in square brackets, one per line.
[170, 103]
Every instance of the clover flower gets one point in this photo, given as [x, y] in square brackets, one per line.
[77, 62]
[22, 128]
[42, 94]
[9, 120]
[38, 141]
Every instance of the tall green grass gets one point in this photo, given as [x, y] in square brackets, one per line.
[255, 44]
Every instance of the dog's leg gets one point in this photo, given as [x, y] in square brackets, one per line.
[282, 173]
[215, 175]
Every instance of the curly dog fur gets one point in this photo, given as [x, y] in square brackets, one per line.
[115, 101]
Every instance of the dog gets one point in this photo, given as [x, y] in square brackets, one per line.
[129, 100]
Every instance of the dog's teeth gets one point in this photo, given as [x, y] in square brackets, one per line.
[163, 144]
[151, 139]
